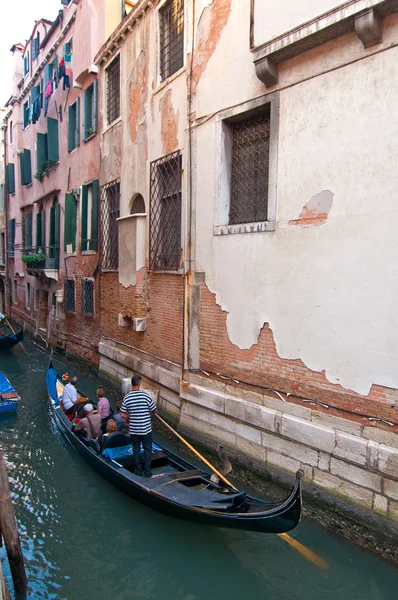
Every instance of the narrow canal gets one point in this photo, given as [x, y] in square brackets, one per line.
[82, 538]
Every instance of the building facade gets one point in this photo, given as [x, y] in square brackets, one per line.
[242, 151]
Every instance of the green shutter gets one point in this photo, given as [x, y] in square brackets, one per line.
[66, 48]
[77, 123]
[52, 139]
[84, 245]
[86, 114]
[22, 168]
[71, 128]
[48, 73]
[2, 196]
[70, 221]
[57, 236]
[27, 167]
[29, 228]
[94, 215]
[42, 154]
[95, 106]
[38, 231]
[11, 236]
[43, 229]
[10, 178]
[52, 232]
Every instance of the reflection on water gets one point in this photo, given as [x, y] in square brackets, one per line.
[82, 538]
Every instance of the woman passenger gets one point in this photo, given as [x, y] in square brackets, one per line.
[103, 407]
[111, 427]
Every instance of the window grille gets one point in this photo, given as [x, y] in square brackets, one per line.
[249, 170]
[27, 238]
[113, 90]
[88, 296]
[171, 17]
[110, 211]
[69, 296]
[165, 213]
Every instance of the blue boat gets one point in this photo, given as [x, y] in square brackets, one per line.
[9, 341]
[8, 396]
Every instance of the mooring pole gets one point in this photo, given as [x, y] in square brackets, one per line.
[8, 528]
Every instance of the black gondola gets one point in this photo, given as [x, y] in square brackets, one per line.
[177, 488]
[9, 341]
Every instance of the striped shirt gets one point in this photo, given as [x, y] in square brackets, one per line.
[138, 405]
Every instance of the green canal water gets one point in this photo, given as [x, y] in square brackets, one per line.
[83, 539]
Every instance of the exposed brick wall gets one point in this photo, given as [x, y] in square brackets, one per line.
[159, 297]
[261, 366]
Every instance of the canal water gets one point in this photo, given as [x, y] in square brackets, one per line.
[83, 539]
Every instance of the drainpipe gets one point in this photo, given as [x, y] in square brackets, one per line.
[7, 290]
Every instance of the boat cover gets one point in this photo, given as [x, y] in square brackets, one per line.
[122, 451]
[5, 385]
[51, 380]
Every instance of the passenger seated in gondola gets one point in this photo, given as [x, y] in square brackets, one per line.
[122, 424]
[79, 407]
[70, 397]
[90, 424]
[111, 427]
[103, 408]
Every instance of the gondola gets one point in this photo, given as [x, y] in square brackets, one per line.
[177, 488]
[8, 396]
[9, 341]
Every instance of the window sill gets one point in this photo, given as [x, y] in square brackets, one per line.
[110, 126]
[257, 227]
[89, 138]
[88, 252]
[169, 80]
[28, 185]
[26, 128]
[165, 272]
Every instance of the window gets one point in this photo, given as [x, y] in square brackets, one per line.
[35, 45]
[27, 296]
[69, 296]
[250, 140]
[87, 296]
[10, 132]
[2, 248]
[113, 90]
[54, 245]
[42, 152]
[26, 64]
[165, 213]
[110, 211]
[10, 178]
[74, 125]
[70, 223]
[10, 237]
[36, 300]
[138, 205]
[52, 140]
[1, 196]
[90, 110]
[15, 291]
[171, 17]
[89, 221]
[48, 73]
[25, 114]
[25, 167]
[27, 219]
[41, 230]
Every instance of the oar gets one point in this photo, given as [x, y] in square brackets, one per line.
[9, 325]
[309, 554]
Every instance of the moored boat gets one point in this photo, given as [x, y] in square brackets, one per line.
[9, 341]
[8, 395]
[177, 488]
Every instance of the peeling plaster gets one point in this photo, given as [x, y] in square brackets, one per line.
[316, 211]
[137, 94]
[210, 25]
[169, 126]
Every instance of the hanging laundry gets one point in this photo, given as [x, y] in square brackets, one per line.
[45, 106]
[49, 89]
[68, 57]
[66, 83]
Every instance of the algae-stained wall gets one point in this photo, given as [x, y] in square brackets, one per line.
[324, 280]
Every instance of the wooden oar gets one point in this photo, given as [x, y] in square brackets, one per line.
[9, 325]
[309, 554]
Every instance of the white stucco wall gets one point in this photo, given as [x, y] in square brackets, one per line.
[327, 291]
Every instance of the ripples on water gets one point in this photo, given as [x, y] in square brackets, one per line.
[82, 538]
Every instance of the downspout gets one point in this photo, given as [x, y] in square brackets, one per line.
[7, 291]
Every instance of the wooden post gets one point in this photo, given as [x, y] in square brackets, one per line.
[9, 531]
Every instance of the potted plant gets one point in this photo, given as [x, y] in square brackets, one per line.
[34, 260]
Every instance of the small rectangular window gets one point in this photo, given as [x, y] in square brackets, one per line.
[88, 297]
[110, 211]
[27, 219]
[171, 25]
[89, 217]
[70, 223]
[27, 296]
[74, 125]
[15, 291]
[25, 114]
[36, 304]
[2, 249]
[52, 140]
[69, 296]
[1, 196]
[10, 132]
[10, 237]
[90, 110]
[165, 213]
[10, 178]
[113, 90]
[25, 167]
[26, 64]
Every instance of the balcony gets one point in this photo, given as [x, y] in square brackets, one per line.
[44, 263]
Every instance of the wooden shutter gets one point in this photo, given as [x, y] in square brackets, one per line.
[43, 229]
[29, 228]
[70, 221]
[84, 232]
[86, 114]
[77, 123]
[52, 139]
[22, 168]
[11, 236]
[71, 128]
[95, 106]
[57, 231]
[10, 178]
[27, 167]
[94, 215]
[38, 231]
[52, 232]
[42, 154]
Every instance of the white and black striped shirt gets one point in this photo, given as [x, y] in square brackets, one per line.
[139, 406]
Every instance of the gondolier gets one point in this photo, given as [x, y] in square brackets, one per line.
[138, 405]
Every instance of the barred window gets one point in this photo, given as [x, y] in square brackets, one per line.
[171, 17]
[113, 90]
[88, 296]
[249, 169]
[165, 213]
[27, 237]
[69, 296]
[110, 211]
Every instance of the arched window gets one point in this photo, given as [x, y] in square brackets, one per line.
[137, 205]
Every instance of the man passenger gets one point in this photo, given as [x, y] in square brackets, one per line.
[91, 423]
[69, 397]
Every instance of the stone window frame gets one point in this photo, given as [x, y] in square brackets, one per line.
[162, 81]
[223, 169]
[84, 282]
